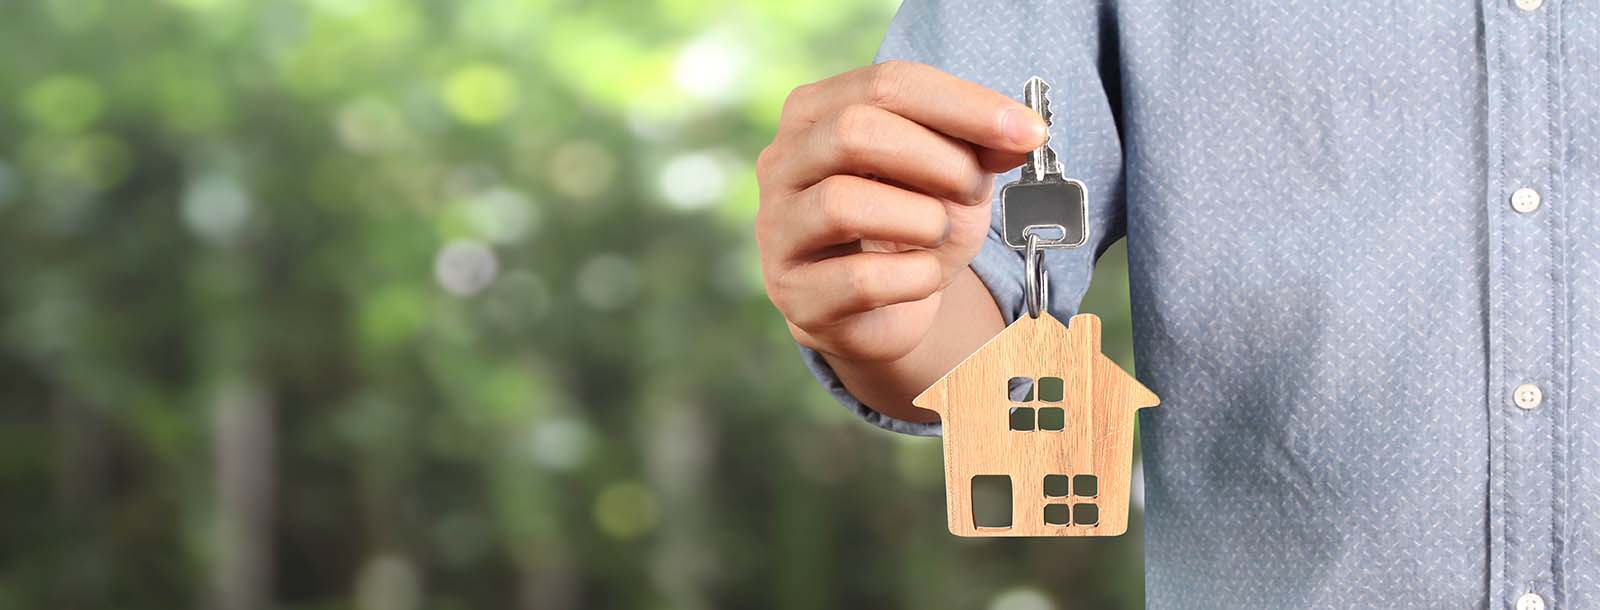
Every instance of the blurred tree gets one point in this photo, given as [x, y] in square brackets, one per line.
[391, 304]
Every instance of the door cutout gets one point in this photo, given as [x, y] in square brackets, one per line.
[991, 501]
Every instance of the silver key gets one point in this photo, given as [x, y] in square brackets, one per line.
[1043, 202]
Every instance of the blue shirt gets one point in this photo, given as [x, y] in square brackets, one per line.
[1379, 356]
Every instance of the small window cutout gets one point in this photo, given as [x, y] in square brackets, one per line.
[1055, 485]
[1051, 389]
[1085, 514]
[1022, 418]
[1052, 418]
[991, 500]
[1020, 389]
[1056, 514]
[1085, 486]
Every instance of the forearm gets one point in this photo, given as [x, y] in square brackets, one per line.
[967, 317]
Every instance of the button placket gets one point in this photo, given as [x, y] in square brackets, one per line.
[1526, 301]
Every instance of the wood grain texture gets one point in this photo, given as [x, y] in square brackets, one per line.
[1100, 400]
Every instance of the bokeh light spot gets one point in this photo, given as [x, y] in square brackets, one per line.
[501, 215]
[608, 282]
[341, 8]
[692, 181]
[387, 582]
[480, 94]
[64, 102]
[582, 169]
[709, 69]
[465, 268]
[370, 125]
[393, 315]
[625, 510]
[1022, 598]
[216, 208]
[87, 162]
[559, 444]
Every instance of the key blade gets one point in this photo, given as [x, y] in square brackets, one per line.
[1035, 93]
[1041, 161]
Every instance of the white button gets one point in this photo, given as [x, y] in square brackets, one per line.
[1530, 5]
[1530, 601]
[1525, 200]
[1527, 396]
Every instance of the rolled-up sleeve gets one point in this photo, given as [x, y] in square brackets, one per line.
[1070, 44]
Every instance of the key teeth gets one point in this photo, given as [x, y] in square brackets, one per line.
[1041, 92]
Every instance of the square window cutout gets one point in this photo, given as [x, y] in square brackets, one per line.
[1056, 514]
[1020, 389]
[1085, 514]
[1051, 389]
[1086, 486]
[1052, 418]
[1022, 418]
[1055, 485]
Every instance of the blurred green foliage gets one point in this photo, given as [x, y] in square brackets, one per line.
[391, 304]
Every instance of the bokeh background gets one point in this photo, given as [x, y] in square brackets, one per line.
[402, 305]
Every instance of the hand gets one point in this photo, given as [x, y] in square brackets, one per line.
[875, 196]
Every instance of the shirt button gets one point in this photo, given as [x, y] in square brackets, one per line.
[1527, 396]
[1530, 5]
[1530, 601]
[1525, 200]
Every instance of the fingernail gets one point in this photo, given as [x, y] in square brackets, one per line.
[1023, 127]
[985, 188]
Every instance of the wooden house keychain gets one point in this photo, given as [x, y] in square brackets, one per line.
[1063, 451]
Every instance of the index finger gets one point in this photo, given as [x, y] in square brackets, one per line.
[936, 99]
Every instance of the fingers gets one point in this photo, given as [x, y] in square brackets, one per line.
[829, 291]
[999, 162]
[867, 140]
[952, 106]
[847, 209]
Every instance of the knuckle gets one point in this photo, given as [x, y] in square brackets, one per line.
[967, 160]
[832, 201]
[766, 161]
[780, 289]
[805, 338]
[764, 229]
[860, 281]
[796, 99]
[962, 169]
[852, 131]
[886, 82]
[929, 275]
[937, 225]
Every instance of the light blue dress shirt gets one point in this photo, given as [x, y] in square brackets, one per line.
[1364, 258]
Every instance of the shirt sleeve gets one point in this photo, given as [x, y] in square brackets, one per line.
[1072, 45]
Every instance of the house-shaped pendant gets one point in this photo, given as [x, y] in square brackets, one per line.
[1066, 450]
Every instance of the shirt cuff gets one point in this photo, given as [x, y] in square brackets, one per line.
[1000, 269]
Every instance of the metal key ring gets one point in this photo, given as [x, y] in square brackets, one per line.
[1036, 282]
